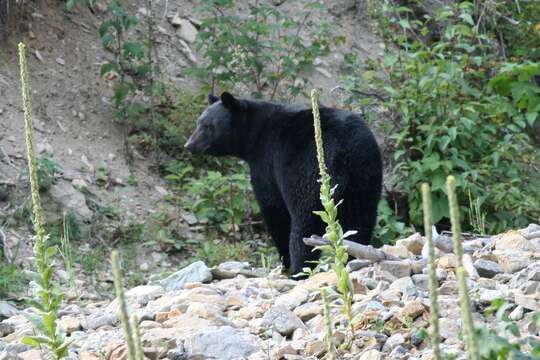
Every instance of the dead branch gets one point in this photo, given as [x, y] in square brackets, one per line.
[359, 251]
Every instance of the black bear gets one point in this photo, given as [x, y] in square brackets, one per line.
[277, 142]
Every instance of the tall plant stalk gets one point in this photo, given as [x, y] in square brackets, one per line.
[122, 304]
[331, 347]
[334, 232]
[49, 298]
[464, 301]
[433, 282]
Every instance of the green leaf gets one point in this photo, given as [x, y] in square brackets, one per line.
[108, 67]
[133, 49]
[35, 341]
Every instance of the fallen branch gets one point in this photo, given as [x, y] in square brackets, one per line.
[359, 251]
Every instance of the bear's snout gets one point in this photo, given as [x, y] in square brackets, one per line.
[196, 144]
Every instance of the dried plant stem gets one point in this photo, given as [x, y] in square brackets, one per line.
[433, 282]
[119, 286]
[468, 326]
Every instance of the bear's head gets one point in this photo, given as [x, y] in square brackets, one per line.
[214, 134]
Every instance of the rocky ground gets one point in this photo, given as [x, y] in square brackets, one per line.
[237, 312]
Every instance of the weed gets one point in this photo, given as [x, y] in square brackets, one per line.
[47, 171]
[12, 279]
[49, 297]
[334, 232]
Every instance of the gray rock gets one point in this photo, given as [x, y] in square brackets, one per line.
[487, 295]
[196, 272]
[357, 264]
[405, 285]
[282, 320]
[232, 269]
[392, 342]
[399, 269]
[225, 343]
[421, 281]
[6, 329]
[98, 321]
[487, 268]
[7, 310]
[69, 199]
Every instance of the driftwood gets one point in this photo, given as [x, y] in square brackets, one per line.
[359, 251]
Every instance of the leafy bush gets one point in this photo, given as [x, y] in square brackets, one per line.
[223, 199]
[264, 48]
[12, 279]
[456, 107]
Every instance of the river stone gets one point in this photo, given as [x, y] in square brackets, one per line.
[7, 310]
[487, 268]
[70, 199]
[196, 272]
[282, 320]
[225, 343]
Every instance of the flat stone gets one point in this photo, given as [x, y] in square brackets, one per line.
[397, 268]
[487, 268]
[372, 354]
[487, 295]
[526, 301]
[231, 269]
[225, 343]
[405, 285]
[70, 324]
[196, 272]
[398, 251]
[70, 199]
[308, 311]
[357, 264]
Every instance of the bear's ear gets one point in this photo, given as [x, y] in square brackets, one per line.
[229, 101]
[212, 99]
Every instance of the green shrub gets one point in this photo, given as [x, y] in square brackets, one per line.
[47, 171]
[262, 51]
[221, 199]
[456, 107]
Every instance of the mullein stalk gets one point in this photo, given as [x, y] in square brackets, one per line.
[49, 298]
[331, 347]
[139, 353]
[124, 317]
[334, 232]
[465, 303]
[433, 282]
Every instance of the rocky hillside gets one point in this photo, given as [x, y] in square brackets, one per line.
[234, 311]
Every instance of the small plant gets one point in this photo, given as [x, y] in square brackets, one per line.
[464, 301]
[264, 48]
[47, 172]
[133, 70]
[12, 280]
[476, 217]
[495, 343]
[51, 336]
[65, 251]
[334, 233]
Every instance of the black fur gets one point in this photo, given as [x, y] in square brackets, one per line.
[277, 142]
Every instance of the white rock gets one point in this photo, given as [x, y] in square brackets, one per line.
[225, 343]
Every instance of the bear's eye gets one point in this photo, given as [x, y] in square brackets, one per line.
[205, 126]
